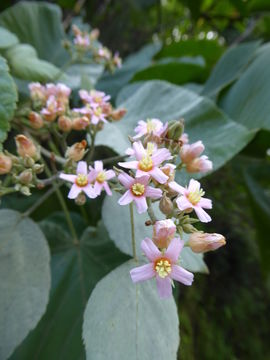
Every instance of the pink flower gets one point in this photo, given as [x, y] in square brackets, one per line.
[99, 177]
[191, 151]
[37, 91]
[163, 233]
[94, 97]
[192, 198]
[148, 162]
[82, 40]
[162, 266]
[137, 190]
[184, 138]
[104, 53]
[80, 182]
[94, 113]
[152, 127]
[52, 109]
[201, 164]
[117, 61]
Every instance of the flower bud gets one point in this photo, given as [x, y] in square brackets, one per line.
[169, 170]
[118, 114]
[64, 123]
[165, 205]
[26, 177]
[36, 120]
[80, 123]
[201, 164]
[26, 147]
[175, 129]
[163, 233]
[94, 34]
[76, 151]
[184, 139]
[38, 168]
[189, 152]
[80, 199]
[5, 164]
[25, 190]
[200, 242]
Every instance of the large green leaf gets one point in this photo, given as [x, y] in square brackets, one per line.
[78, 74]
[75, 271]
[248, 99]
[8, 98]
[112, 83]
[117, 221]
[37, 24]
[7, 39]
[25, 64]
[25, 278]
[223, 138]
[124, 321]
[230, 67]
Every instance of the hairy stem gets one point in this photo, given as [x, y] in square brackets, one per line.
[132, 231]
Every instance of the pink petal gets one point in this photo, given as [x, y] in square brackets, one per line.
[98, 187]
[142, 273]
[68, 177]
[140, 172]
[109, 174]
[153, 193]
[183, 203]
[176, 187]
[174, 249]
[129, 164]
[202, 215]
[94, 120]
[89, 191]
[164, 287]
[127, 198]
[205, 203]
[180, 274]
[92, 175]
[158, 175]
[161, 155]
[144, 179]
[141, 204]
[150, 249]
[126, 180]
[82, 168]
[139, 150]
[74, 191]
[107, 188]
[98, 166]
[194, 185]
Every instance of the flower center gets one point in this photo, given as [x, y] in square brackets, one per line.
[195, 196]
[101, 177]
[81, 180]
[146, 164]
[98, 111]
[137, 189]
[150, 148]
[151, 126]
[163, 267]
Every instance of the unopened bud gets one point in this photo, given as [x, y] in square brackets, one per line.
[5, 164]
[28, 162]
[64, 123]
[38, 168]
[175, 129]
[36, 120]
[165, 205]
[26, 177]
[107, 109]
[80, 199]
[26, 147]
[200, 242]
[163, 233]
[25, 190]
[189, 152]
[76, 151]
[76, 30]
[201, 164]
[118, 114]
[80, 123]
[94, 34]
[188, 228]
[169, 170]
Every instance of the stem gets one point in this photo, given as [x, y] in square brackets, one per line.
[50, 155]
[92, 149]
[39, 202]
[151, 211]
[114, 159]
[132, 231]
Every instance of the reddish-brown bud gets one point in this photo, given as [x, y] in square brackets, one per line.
[80, 123]
[26, 147]
[118, 114]
[5, 164]
[36, 120]
[200, 242]
[76, 151]
[64, 123]
[165, 205]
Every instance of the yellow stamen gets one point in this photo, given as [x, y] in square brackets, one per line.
[101, 177]
[137, 189]
[163, 267]
[98, 111]
[195, 196]
[150, 148]
[81, 180]
[146, 164]
[151, 126]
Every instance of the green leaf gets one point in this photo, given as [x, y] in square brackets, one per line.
[75, 271]
[230, 66]
[116, 218]
[7, 39]
[8, 98]
[112, 83]
[25, 64]
[37, 24]
[25, 278]
[83, 74]
[125, 321]
[257, 179]
[247, 101]
[223, 138]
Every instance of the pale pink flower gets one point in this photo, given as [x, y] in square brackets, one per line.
[152, 127]
[184, 138]
[37, 92]
[192, 198]
[94, 97]
[169, 170]
[148, 162]
[100, 177]
[58, 90]
[189, 152]
[117, 61]
[82, 40]
[52, 109]
[137, 190]
[163, 232]
[104, 53]
[201, 242]
[80, 182]
[201, 164]
[163, 266]
[95, 114]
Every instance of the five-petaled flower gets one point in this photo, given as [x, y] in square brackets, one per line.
[192, 198]
[163, 266]
[99, 177]
[137, 190]
[152, 127]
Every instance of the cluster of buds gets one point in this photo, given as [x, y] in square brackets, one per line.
[85, 43]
